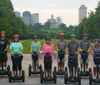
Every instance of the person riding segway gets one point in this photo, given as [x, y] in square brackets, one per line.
[16, 48]
[74, 71]
[4, 44]
[48, 57]
[61, 49]
[96, 61]
[35, 50]
[84, 49]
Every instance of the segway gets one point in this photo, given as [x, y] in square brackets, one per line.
[61, 55]
[96, 59]
[48, 62]
[35, 59]
[4, 71]
[84, 56]
[21, 78]
[72, 60]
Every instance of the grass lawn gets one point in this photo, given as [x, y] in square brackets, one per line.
[27, 44]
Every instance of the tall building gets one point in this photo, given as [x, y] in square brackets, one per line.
[18, 14]
[82, 13]
[34, 18]
[26, 17]
[59, 21]
[26, 14]
[26, 20]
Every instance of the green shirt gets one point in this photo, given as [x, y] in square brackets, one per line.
[35, 46]
[16, 47]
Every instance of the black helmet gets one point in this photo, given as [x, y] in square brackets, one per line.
[85, 34]
[47, 38]
[35, 36]
[97, 40]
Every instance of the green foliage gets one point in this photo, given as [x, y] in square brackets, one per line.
[90, 25]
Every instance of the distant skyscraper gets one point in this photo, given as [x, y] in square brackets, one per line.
[26, 20]
[26, 14]
[18, 14]
[34, 18]
[26, 17]
[59, 21]
[82, 13]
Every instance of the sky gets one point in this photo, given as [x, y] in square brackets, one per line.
[66, 9]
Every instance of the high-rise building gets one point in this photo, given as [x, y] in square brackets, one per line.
[18, 14]
[59, 21]
[26, 20]
[26, 17]
[82, 13]
[26, 14]
[34, 18]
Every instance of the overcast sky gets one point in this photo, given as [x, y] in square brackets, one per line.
[67, 9]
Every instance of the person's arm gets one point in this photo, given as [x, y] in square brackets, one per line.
[39, 47]
[43, 48]
[21, 51]
[31, 48]
[89, 49]
[78, 50]
[7, 45]
[80, 47]
[57, 47]
[11, 52]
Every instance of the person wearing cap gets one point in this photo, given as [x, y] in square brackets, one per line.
[35, 47]
[73, 50]
[48, 47]
[96, 50]
[61, 46]
[16, 47]
[84, 46]
[4, 44]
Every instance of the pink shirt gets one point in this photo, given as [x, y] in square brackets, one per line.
[48, 48]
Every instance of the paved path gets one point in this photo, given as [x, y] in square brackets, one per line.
[35, 80]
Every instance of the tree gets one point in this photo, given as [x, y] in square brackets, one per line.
[62, 25]
[47, 24]
[37, 26]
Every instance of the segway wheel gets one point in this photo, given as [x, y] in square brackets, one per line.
[10, 75]
[8, 70]
[23, 76]
[90, 76]
[65, 75]
[41, 75]
[29, 70]
[54, 75]
[79, 76]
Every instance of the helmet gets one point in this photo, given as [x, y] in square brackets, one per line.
[3, 32]
[97, 40]
[85, 34]
[73, 35]
[62, 34]
[35, 36]
[47, 38]
[16, 36]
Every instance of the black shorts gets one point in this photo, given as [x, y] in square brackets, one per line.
[46, 66]
[73, 61]
[5, 58]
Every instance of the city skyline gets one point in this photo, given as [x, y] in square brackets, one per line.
[68, 11]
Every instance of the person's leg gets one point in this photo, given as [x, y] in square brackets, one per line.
[20, 65]
[13, 66]
[94, 71]
[70, 71]
[5, 61]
